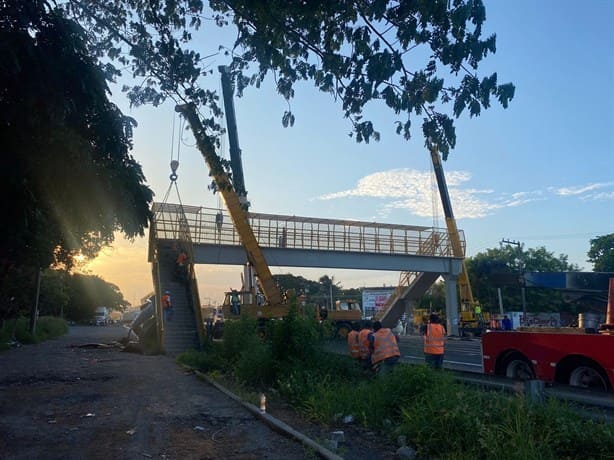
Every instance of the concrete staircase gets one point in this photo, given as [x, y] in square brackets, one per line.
[412, 292]
[180, 333]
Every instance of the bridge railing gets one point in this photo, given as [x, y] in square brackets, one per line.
[212, 226]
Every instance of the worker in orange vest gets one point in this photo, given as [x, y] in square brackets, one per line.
[181, 269]
[434, 338]
[384, 348]
[363, 344]
[167, 306]
[353, 345]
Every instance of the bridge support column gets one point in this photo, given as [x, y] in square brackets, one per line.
[451, 303]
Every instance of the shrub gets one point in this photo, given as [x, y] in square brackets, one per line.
[47, 327]
[237, 335]
[208, 360]
[255, 365]
[294, 338]
[439, 417]
[50, 327]
[571, 435]
[478, 424]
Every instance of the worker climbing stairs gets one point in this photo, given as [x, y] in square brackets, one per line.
[179, 331]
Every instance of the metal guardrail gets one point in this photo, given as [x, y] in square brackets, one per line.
[584, 401]
[212, 226]
[591, 404]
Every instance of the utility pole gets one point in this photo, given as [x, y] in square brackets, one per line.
[34, 308]
[523, 297]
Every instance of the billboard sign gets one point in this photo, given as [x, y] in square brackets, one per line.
[374, 299]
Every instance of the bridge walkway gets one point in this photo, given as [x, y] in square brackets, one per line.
[212, 226]
[296, 241]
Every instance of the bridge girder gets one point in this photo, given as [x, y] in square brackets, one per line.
[309, 258]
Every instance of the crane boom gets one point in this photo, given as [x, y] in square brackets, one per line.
[238, 214]
[466, 294]
[238, 180]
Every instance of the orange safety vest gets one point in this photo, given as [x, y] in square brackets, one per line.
[181, 258]
[353, 345]
[166, 301]
[363, 343]
[384, 346]
[433, 339]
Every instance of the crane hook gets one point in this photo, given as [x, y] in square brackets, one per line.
[174, 166]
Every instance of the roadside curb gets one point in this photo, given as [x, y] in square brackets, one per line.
[271, 421]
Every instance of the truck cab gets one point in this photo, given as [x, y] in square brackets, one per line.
[101, 316]
[343, 316]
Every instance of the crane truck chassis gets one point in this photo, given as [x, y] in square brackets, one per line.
[577, 357]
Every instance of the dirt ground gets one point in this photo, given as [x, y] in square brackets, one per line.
[65, 399]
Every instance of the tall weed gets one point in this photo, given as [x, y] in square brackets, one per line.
[237, 335]
[255, 365]
[209, 360]
[47, 327]
[294, 338]
[440, 418]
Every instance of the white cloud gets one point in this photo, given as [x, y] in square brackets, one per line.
[416, 191]
[599, 196]
[583, 189]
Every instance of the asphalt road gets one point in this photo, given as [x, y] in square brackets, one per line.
[72, 398]
[460, 354]
[80, 397]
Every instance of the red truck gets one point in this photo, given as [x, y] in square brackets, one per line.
[564, 355]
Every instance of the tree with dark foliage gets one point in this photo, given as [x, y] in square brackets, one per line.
[68, 172]
[68, 181]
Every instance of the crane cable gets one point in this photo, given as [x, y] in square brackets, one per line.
[174, 164]
[434, 196]
[220, 213]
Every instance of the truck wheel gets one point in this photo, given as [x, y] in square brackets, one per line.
[587, 376]
[343, 330]
[519, 368]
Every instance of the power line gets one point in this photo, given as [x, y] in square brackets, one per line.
[511, 242]
[563, 236]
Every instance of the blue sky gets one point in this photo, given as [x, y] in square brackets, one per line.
[540, 172]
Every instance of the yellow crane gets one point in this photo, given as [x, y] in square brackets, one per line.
[471, 315]
[274, 306]
[234, 205]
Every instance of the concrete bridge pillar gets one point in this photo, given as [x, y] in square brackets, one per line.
[451, 303]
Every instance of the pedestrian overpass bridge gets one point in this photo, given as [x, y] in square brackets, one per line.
[293, 241]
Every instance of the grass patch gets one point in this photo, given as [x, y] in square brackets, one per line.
[439, 417]
[47, 327]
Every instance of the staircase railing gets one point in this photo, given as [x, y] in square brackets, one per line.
[180, 232]
[405, 280]
[155, 272]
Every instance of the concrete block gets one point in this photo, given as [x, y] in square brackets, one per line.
[406, 452]
[331, 445]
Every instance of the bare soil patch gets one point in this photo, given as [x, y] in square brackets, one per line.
[72, 399]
